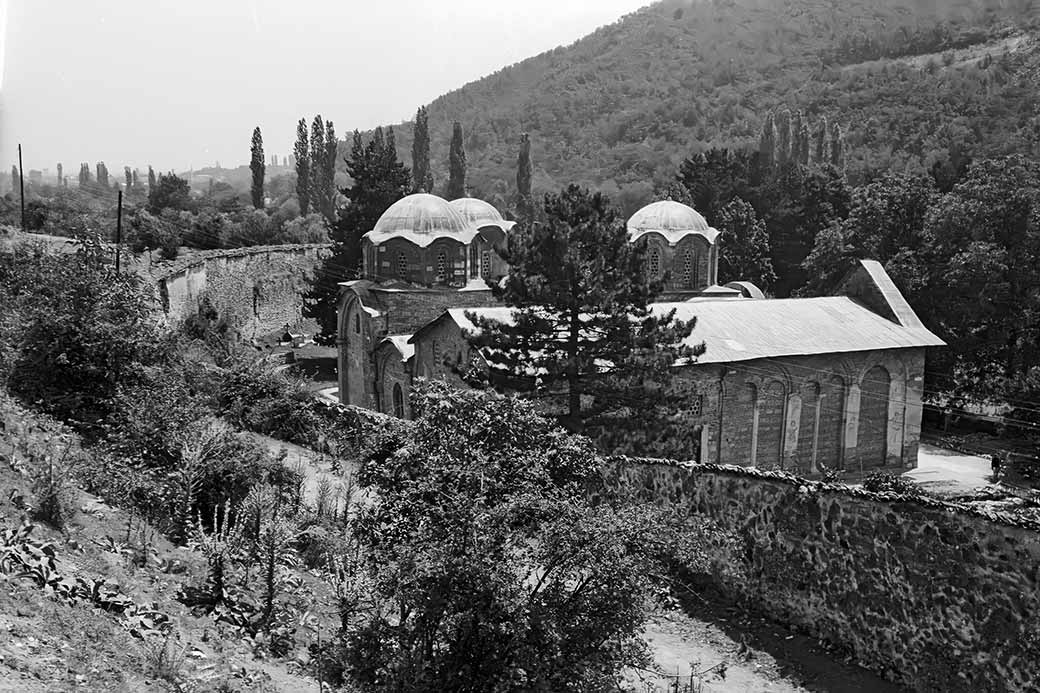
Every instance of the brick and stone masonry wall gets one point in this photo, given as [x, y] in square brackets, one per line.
[259, 289]
[937, 596]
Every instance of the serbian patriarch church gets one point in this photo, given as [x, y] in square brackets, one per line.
[804, 384]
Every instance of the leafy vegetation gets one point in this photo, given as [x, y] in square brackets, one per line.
[910, 84]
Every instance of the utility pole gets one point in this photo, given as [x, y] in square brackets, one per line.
[21, 185]
[119, 228]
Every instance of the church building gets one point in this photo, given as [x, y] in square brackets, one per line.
[804, 384]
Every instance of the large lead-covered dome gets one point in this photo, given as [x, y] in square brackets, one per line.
[671, 219]
[422, 219]
[480, 213]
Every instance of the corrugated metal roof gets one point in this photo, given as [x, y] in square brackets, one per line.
[747, 329]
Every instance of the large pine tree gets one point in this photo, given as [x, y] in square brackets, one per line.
[456, 164]
[421, 173]
[303, 167]
[582, 325]
[256, 166]
[378, 180]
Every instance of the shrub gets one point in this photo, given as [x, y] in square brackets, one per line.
[891, 483]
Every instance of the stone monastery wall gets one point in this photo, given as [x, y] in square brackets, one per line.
[938, 596]
[259, 289]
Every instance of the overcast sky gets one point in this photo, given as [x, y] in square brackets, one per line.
[179, 83]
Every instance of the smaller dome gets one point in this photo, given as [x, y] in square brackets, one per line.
[480, 213]
[671, 219]
[421, 218]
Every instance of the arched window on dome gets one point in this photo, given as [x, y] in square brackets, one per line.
[654, 264]
[485, 264]
[442, 267]
[398, 401]
[402, 265]
[687, 268]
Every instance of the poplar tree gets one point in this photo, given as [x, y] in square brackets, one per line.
[135, 178]
[258, 168]
[84, 175]
[60, 177]
[582, 321]
[421, 173]
[524, 203]
[14, 177]
[821, 139]
[318, 164]
[804, 143]
[331, 149]
[456, 164]
[837, 148]
[126, 174]
[783, 137]
[767, 141]
[151, 178]
[796, 131]
[303, 171]
[102, 174]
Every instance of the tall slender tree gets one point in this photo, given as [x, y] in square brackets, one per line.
[783, 139]
[301, 152]
[60, 176]
[151, 178]
[329, 179]
[257, 167]
[14, 177]
[837, 147]
[136, 181]
[821, 143]
[84, 175]
[129, 176]
[456, 164]
[422, 176]
[318, 164]
[524, 203]
[102, 175]
[767, 141]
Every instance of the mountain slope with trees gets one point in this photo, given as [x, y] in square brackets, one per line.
[910, 83]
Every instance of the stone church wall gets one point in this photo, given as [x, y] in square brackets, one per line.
[937, 596]
[259, 289]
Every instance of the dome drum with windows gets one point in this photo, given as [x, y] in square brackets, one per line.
[682, 248]
[424, 239]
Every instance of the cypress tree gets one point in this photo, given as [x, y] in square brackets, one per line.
[456, 164]
[60, 177]
[129, 177]
[102, 174]
[135, 178]
[796, 131]
[151, 178]
[821, 154]
[331, 147]
[804, 143]
[256, 165]
[318, 164]
[837, 147]
[421, 173]
[767, 141]
[14, 178]
[303, 167]
[84, 175]
[783, 138]
[524, 204]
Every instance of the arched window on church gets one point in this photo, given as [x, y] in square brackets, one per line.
[402, 265]
[655, 263]
[442, 266]
[687, 268]
[485, 264]
[398, 401]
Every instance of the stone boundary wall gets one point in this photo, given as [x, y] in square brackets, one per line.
[258, 289]
[935, 595]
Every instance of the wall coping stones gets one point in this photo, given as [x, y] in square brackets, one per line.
[814, 487]
[179, 266]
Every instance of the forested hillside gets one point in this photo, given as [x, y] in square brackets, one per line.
[908, 80]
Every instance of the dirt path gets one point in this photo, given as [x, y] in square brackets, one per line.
[729, 651]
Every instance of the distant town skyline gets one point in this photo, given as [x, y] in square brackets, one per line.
[182, 86]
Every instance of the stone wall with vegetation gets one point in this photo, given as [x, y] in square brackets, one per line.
[935, 595]
[258, 290]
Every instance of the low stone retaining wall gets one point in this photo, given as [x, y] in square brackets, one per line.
[937, 596]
